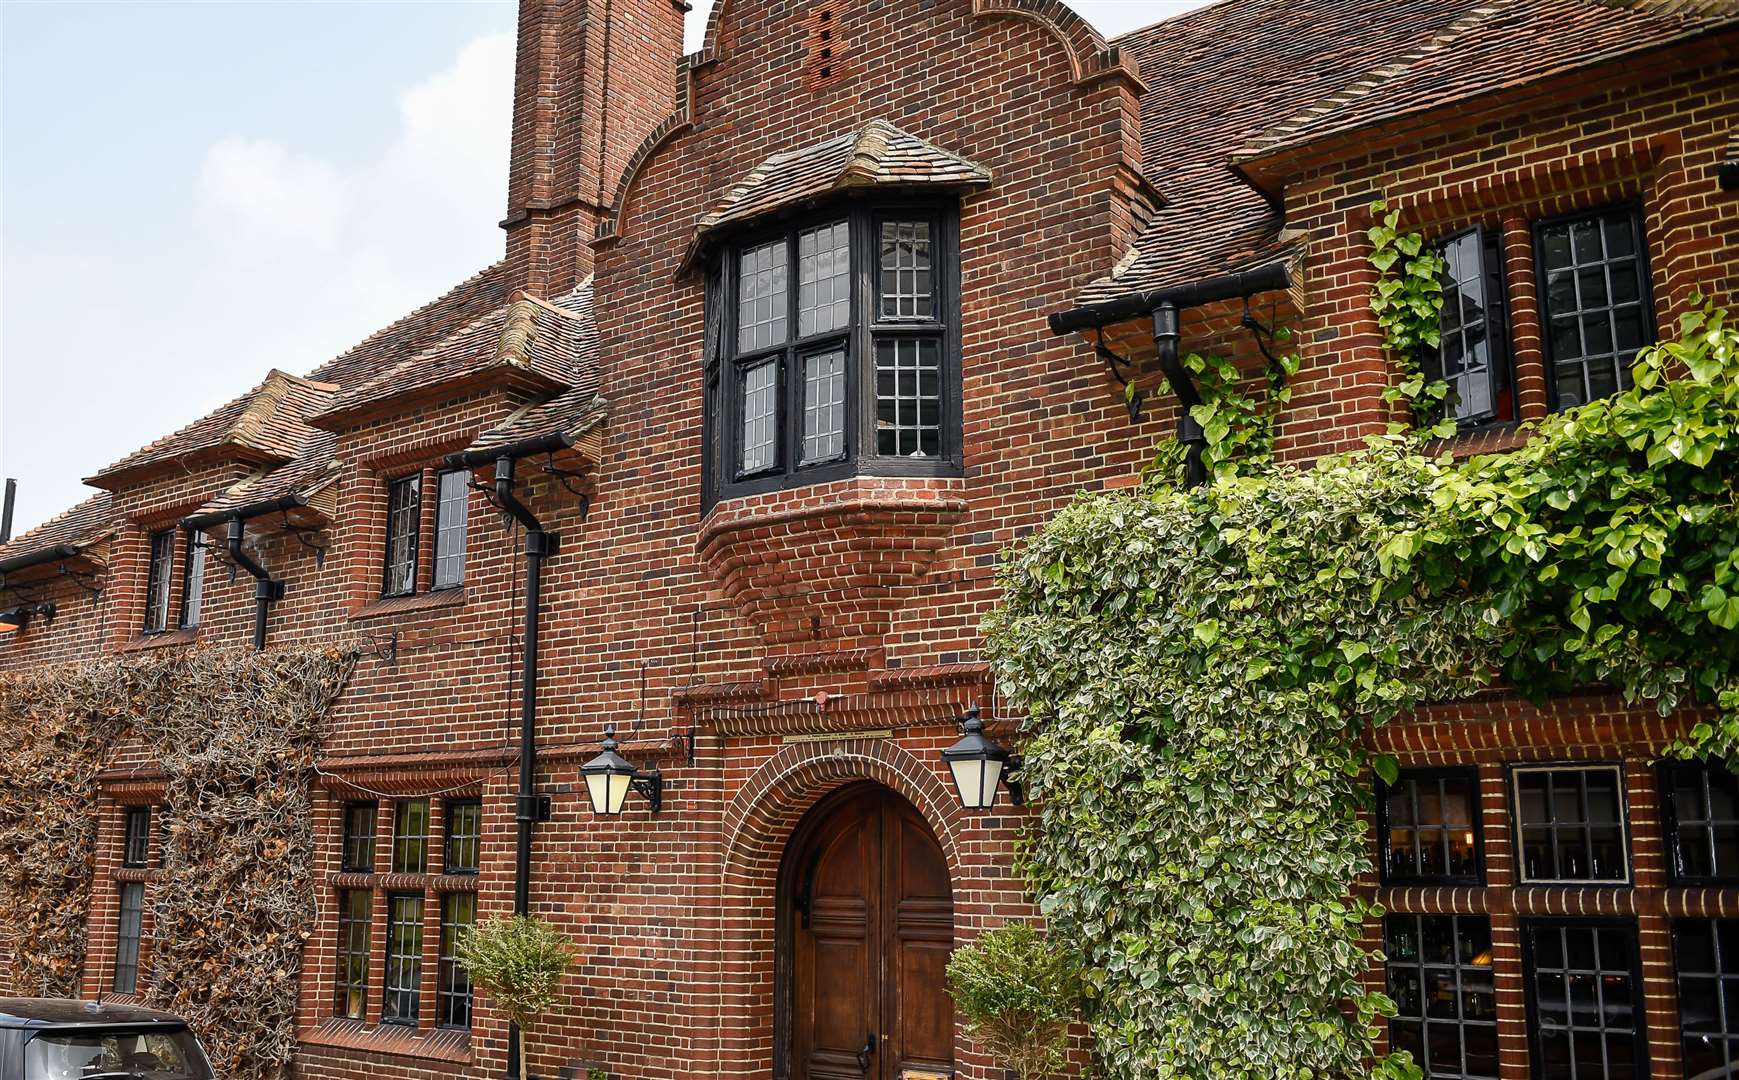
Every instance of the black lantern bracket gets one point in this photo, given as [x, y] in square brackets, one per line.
[651, 787]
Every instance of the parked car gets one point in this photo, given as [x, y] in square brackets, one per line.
[57, 1039]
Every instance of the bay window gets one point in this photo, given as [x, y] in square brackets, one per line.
[833, 349]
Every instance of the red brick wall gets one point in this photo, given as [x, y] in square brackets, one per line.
[674, 626]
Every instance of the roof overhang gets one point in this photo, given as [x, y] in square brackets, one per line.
[1272, 276]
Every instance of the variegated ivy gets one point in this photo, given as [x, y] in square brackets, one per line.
[1407, 301]
[1199, 668]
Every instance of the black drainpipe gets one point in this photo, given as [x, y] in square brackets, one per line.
[1189, 433]
[265, 589]
[539, 544]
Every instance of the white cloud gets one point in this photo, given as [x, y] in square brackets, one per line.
[273, 195]
[356, 244]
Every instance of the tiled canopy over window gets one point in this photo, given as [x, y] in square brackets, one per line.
[833, 339]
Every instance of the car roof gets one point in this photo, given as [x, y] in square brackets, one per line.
[65, 1012]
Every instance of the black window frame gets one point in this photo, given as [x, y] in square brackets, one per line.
[445, 529]
[403, 840]
[393, 514]
[726, 363]
[1423, 967]
[129, 933]
[1500, 363]
[355, 933]
[1645, 287]
[1722, 976]
[1625, 833]
[454, 995]
[353, 841]
[1468, 773]
[455, 843]
[159, 576]
[401, 999]
[193, 563]
[1530, 986]
[1671, 823]
[136, 838]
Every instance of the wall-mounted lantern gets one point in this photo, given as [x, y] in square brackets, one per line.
[609, 778]
[981, 765]
[14, 619]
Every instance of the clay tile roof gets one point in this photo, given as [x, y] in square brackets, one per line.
[268, 423]
[1216, 74]
[536, 340]
[1218, 78]
[312, 471]
[876, 154]
[1503, 44]
[572, 413]
[79, 527]
[482, 292]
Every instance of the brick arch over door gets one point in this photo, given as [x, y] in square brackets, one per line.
[757, 825]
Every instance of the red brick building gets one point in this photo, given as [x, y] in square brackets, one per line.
[791, 338]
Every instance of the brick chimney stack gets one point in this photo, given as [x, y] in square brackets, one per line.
[591, 79]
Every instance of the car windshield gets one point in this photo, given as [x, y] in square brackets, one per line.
[85, 1055]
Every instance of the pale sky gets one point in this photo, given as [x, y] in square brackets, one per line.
[194, 193]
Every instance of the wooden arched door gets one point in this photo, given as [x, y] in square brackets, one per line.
[868, 917]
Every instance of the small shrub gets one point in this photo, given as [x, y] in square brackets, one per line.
[518, 962]
[1018, 993]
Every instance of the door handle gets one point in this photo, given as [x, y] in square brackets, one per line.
[863, 1056]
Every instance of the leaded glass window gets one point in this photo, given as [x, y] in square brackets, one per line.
[403, 518]
[161, 566]
[452, 496]
[1570, 820]
[1702, 804]
[464, 835]
[358, 855]
[1428, 826]
[355, 919]
[404, 959]
[136, 854]
[1584, 999]
[908, 397]
[410, 837]
[760, 417]
[823, 278]
[1707, 954]
[823, 406]
[127, 934]
[1473, 357]
[453, 994]
[1440, 978]
[193, 582]
[1594, 298]
[832, 347]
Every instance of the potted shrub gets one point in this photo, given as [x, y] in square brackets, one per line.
[1018, 993]
[518, 962]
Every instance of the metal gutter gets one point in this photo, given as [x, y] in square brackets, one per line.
[1269, 277]
[245, 513]
[56, 553]
[537, 444]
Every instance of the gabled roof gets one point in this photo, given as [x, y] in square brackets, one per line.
[570, 415]
[1218, 78]
[85, 524]
[292, 487]
[268, 423]
[527, 340]
[1495, 47]
[1213, 76]
[877, 154]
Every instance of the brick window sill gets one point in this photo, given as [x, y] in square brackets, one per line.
[1490, 439]
[439, 1044]
[395, 605]
[165, 640]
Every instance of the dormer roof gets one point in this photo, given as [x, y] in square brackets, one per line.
[267, 424]
[878, 154]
